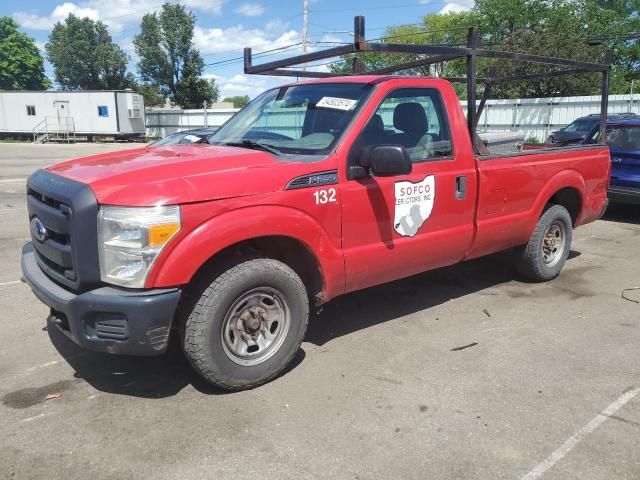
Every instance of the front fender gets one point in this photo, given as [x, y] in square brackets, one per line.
[178, 265]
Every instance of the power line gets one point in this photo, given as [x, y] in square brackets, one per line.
[224, 52]
[327, 32]
[265, 53]
[268, 53]
[286, 48]
[429, 32]
[319, 64]
[253, 46]
[388, 27]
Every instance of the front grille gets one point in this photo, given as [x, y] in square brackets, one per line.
[67, 210]
[51, 202]
[54, 253]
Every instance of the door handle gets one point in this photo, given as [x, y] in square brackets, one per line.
[461, 187]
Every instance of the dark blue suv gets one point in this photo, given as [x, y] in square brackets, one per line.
[581, 129]
[623, 138]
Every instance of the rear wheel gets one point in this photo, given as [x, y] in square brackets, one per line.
[548, 248]
[247, 325]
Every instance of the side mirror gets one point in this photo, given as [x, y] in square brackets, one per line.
[386, 160]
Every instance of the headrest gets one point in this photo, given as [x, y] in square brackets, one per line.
[410, 118]
[375, 125]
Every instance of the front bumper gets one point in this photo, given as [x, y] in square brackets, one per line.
[620, 194]
[107, 319]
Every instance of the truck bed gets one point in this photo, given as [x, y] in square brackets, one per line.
[513, 189]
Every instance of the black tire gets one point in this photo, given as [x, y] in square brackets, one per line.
[530, 259]
[203, 329]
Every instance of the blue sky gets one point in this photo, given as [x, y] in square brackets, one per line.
[224, 27]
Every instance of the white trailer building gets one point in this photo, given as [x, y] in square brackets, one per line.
[50, 116]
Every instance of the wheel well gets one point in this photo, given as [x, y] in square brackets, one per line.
[285, 249]
[569, 198]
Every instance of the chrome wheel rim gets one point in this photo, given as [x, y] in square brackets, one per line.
[255, 326]
[553, 243]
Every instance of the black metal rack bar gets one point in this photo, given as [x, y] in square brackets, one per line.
[435, 54]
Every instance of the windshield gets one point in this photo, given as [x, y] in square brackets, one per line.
[582, 125]
[300, 119]
[624, 138]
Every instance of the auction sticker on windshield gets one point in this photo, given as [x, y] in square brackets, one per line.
[336, 103]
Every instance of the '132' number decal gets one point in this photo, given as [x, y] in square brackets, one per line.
[325, 196]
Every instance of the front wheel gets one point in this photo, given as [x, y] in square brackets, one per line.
[247, 325]
[548, 248]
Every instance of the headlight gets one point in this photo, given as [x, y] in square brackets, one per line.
[130, 239]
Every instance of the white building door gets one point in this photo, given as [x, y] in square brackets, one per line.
[64, 116]
[62, 108]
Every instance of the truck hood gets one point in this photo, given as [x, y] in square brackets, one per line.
[179, 174]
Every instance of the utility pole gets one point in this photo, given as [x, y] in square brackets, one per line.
[305, 26]
[206, 114]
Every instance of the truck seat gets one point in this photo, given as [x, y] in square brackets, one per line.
[411, 119]
[412, 122]
[374, 130]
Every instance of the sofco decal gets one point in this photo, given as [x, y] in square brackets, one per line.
[414, 202]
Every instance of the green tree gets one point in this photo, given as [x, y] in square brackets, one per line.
[84, 56]
[449, 28]
[169, 60]
[21, 65]
[566, 45]
[191, 90]
[560, 28]
[501, 18]
[238, 101]
[615, 25]
[151, 93]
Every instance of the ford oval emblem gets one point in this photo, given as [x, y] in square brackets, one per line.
[38, 230]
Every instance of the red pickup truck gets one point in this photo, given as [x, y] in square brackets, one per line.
[313, 190]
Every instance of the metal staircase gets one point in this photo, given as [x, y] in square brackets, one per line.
[55, 129]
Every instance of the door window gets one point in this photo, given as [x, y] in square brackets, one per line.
[413, 118]
[624, 138]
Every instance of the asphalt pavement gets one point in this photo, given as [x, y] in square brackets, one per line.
[465, 372]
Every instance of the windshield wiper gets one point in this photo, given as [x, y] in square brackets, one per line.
[255, 146]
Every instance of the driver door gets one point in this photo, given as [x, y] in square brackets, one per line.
[398, 226]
